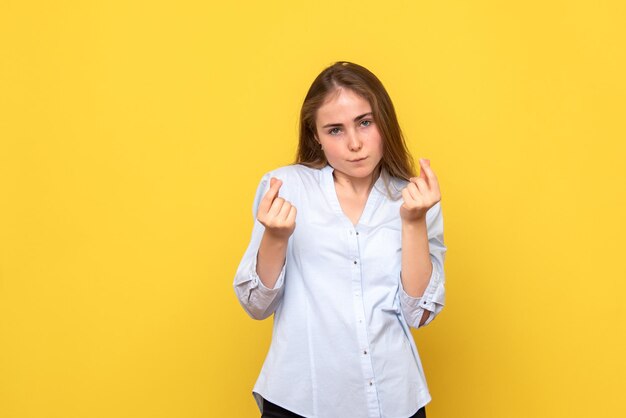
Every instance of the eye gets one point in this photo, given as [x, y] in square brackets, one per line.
[333, 131]
[366, 122]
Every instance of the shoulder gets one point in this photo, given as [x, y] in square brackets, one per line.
[292, 171]
[293, 175]
[398, 183]
[391, 187]
[295, 178]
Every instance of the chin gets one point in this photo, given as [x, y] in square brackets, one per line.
[359, 172]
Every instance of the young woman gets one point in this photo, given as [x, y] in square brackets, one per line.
[349, 271]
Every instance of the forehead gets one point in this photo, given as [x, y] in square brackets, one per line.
[342, 103]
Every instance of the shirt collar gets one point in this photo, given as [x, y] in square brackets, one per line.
[330, 191]
[327, 171]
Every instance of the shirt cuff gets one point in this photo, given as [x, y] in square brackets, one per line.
[427, 300]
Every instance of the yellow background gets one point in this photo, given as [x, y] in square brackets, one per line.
[133, 135]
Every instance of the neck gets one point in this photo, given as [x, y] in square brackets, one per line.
[358, 186]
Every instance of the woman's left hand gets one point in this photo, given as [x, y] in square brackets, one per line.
[420, 194]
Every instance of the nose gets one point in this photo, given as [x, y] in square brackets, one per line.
[354, 142]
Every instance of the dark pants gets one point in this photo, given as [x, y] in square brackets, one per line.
[271, 410]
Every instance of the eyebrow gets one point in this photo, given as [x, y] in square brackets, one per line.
[328, 125]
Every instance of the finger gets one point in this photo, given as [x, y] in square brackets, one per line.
[270, 195]
[422, 173]
[422, 186]
[291, 218]
[277, 205]
[428, 172]
[284, 212]
[412, 189]
[406, 196]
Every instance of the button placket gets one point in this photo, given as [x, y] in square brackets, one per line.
[362, 333]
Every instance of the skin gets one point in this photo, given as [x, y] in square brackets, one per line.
[419, 195]
[347, 132]
[279, 218]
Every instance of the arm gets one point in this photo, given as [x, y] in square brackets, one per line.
[271, 259]
[260, 276]
[278, 217]
[416, 265]
[422, 277]
[422, 291]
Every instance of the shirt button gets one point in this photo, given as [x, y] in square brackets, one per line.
[371, 383]
[364, 351]
[357, 232]
[354, 261]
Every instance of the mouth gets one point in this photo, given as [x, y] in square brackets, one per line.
[357, 160]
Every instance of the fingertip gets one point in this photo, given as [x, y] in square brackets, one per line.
[275, 181]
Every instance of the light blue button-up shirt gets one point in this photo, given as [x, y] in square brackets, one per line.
[341, 344]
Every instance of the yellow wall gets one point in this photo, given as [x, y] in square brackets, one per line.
[132, 138]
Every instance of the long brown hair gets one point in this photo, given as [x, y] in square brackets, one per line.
[397, 160]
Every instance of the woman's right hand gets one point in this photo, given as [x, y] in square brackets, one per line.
[277, 215]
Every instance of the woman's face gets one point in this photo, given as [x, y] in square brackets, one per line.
[350, 139]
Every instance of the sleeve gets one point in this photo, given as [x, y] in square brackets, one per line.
[257, 300]
[433, 298]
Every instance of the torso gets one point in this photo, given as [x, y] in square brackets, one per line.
[352, 203]
[329, 293]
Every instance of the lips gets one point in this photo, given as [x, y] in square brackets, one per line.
[357, 160]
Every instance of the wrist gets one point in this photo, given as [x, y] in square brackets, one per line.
[275, 241]
[415, 223]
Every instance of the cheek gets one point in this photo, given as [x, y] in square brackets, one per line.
[331, 149]
[376, 141]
